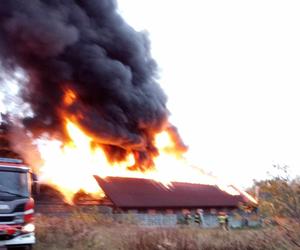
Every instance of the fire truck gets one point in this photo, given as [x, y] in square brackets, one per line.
[17, 229]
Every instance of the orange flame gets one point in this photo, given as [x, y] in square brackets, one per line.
[69, 97]
[70, 166]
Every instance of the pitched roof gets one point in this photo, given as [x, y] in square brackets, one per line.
[145, 193]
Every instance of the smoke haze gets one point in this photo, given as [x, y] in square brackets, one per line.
[85, 47]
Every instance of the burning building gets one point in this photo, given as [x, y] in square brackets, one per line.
[127, 194]
[152, 203]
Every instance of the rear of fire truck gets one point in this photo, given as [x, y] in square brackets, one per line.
[16, 205]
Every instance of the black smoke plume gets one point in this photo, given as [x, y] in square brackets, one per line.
[85, 46]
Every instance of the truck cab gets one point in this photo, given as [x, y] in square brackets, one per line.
[16, 205]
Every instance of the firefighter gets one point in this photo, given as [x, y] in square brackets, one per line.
[226, 222]
[188, 218]
[223, 221]
[198, 217]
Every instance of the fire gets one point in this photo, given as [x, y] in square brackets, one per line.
[70, 166]
[69, 97]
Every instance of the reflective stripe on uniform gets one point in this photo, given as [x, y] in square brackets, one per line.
[197, 218]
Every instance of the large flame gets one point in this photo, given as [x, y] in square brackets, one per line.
[70, 166]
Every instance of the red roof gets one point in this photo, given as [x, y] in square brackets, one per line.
[145, 193]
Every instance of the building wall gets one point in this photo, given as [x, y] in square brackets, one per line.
[174, 217]
[161, 220]
[172, 220]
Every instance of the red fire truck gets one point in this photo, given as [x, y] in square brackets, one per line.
[16, 205]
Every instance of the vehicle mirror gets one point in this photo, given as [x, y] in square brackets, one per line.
[35, 186]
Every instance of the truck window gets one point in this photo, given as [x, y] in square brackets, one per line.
[14, 182]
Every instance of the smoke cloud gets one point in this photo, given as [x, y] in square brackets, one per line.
[85, 46]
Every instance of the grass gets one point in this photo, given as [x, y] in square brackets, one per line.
[89, 230]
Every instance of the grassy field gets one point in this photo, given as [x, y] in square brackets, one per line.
[82, 231]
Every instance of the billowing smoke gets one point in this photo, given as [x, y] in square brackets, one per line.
[84, 46]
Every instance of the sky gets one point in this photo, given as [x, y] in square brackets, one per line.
[231, 70]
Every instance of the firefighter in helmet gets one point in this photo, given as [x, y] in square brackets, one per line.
[198, 217]
[188, 217]
[223, 221]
